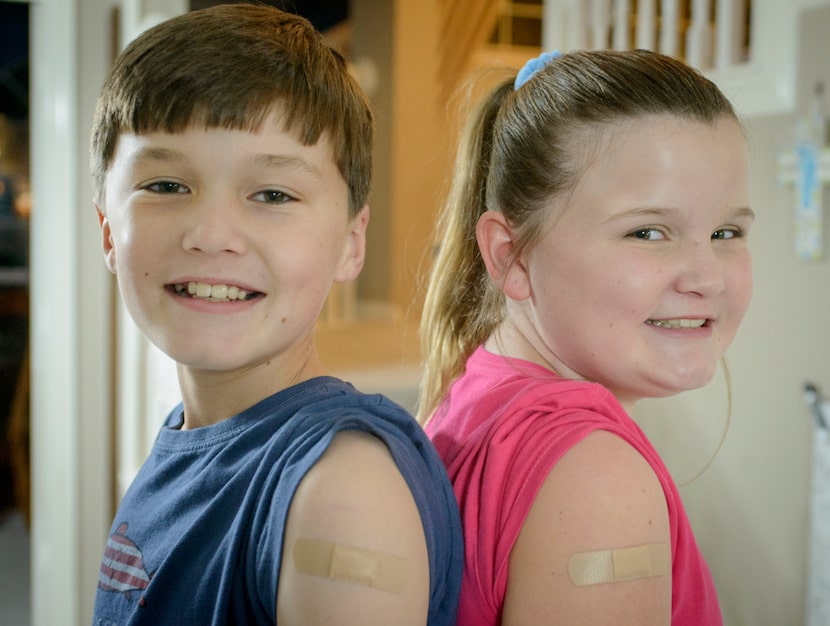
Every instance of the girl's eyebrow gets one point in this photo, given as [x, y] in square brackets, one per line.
[743, 212]
[641, 212]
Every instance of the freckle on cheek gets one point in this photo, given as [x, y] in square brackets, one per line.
[284, 320]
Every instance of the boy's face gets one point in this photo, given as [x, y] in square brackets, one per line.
[225, 243]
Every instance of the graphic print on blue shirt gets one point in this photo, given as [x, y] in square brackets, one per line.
[122, 569]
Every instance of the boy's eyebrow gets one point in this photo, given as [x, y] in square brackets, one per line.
[286, 161]
[148, 154]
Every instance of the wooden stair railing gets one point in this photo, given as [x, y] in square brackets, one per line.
[467, 24]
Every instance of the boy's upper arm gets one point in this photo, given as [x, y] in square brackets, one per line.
[354, 549]
[602, 497]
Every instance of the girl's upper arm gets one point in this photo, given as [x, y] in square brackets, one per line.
[354, 548]
[601, 497]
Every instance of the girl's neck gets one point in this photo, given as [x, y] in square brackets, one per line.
[514, 340]
[522, 342]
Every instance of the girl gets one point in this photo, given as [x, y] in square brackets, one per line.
[593, 252]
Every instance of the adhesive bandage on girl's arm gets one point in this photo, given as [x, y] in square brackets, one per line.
[608, 566]
[350, 564]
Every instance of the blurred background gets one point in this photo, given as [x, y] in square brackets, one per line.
[82, 394]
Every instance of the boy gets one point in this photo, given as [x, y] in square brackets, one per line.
[231, 159]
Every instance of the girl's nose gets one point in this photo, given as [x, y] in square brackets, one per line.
[701, 270]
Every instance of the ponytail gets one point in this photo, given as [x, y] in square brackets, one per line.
[462, 307]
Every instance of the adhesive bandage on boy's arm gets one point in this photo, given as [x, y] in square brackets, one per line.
[621, 564]
[354, 552]
[351, 564]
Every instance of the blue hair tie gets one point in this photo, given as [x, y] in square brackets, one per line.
[534, 65]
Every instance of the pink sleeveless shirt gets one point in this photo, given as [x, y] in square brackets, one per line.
[500, 430]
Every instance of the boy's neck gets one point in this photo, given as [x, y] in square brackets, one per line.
[210, 397]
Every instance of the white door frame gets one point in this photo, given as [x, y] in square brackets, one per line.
[71, 317]
[70, 320]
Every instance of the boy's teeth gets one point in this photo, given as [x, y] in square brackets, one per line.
[679, 323]
[214, 293]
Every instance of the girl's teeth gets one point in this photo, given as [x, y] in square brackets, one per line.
[203, 290]
[679, 323]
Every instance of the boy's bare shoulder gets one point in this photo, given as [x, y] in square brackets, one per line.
[355, 479]
[354, 502]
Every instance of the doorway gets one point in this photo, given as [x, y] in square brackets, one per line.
[15, 209]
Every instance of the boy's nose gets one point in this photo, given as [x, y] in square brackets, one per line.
[700, 270]
[213, 226]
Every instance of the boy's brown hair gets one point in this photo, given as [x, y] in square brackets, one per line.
[229, 67]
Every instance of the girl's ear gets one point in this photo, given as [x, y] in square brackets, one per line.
[354, 252]
[497, 245]
[106, 237]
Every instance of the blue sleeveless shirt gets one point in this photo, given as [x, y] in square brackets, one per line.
[197, 538]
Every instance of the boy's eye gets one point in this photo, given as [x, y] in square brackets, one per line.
[166, 186]
[726, 233]
[647, 234]
[273, 196]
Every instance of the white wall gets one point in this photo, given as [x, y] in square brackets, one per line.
[750, 508]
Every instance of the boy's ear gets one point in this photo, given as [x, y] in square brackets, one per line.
[106, 236]
[354, 251]
[497, 245]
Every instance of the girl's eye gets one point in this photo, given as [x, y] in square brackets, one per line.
[273, 196]
[726, 233]
[647, 234]
[166, 186]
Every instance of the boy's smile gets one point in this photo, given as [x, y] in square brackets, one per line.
[226, 242]
[213, 293]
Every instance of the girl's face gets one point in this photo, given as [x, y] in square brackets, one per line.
[644, 274]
